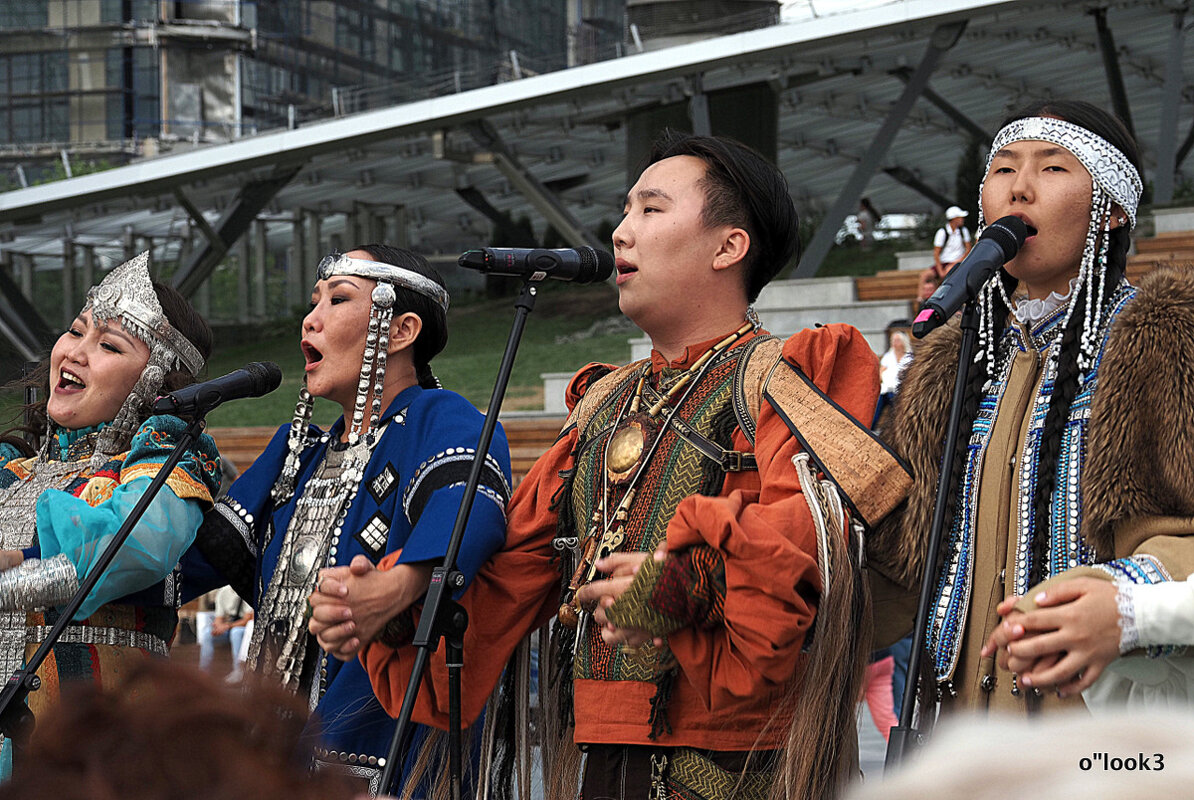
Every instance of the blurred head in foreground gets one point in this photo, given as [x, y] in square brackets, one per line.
[1063, 756]
[173, 733]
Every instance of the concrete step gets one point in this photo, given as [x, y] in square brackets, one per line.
[806, 292]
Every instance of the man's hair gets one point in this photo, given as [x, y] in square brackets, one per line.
[745, 190]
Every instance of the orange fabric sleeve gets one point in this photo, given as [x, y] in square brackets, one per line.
[767, 538]
[514, 593]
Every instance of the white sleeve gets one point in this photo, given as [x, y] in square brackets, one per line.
[965, 234]
[939, 238]
[1163, 612]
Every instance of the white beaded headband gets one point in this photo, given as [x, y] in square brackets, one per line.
[339, 264]
[127, 294]
[1109, 168]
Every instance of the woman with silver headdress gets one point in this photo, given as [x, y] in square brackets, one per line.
[385, 480]
[1074, 486]
[99, 450]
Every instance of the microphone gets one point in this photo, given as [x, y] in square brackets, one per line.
[252, 380]
[999, 244]
[579, 265]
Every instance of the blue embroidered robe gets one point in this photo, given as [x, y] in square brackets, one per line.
[408, 500]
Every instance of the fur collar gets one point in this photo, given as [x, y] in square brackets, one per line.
[1140, 449]
[897, 544]
[1141, 409]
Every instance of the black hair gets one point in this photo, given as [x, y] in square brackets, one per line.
[182, 317]
[1065, 384]
[743, 189]
[434, 336]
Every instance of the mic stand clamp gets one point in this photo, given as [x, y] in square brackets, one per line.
[16, 718]
[905, 737]
[441, 615]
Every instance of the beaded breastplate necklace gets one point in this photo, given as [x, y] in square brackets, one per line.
[31, 477]
[638, 430]
[627, 486]
[281, 644]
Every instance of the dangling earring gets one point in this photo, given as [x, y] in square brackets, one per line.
[295, 441]
[373, 365]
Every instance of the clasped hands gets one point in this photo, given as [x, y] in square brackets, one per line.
[1064, 643]
[350, 605]
[597, 596]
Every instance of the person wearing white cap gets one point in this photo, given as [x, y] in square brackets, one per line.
[951, 244]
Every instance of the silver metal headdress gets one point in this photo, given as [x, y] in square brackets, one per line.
[340, 264]
[1114, 180]
[126, 294]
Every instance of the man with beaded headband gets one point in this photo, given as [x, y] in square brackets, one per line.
[98, 454]
[362, 511]
[676, 527]
[1074, 489]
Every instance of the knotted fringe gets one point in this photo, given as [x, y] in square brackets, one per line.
[820, 753]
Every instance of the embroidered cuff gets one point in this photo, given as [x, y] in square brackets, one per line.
[1129, 635]
[1128, 573]
[682, 590]
[399, 631]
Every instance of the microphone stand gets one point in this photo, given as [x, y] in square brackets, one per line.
[904, 737]
[16, 719]
[443, 617]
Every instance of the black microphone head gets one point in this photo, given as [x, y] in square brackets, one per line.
[595, 265]
[1009, 233]
[266, 376]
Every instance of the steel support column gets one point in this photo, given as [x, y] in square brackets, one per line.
[69, 309]
[1115, 78]
[88, 267]
[1171, 96]
[242, 280]
[909, 179]
[698, 108]
[945, 107]
[314, 249]
[259, 254]
[19, 321]
[296, 286]
[532, 189]
[943, 38]
[233, 223]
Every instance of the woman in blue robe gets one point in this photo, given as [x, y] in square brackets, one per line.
[388, 476]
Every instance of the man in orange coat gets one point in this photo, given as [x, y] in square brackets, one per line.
[673, 509]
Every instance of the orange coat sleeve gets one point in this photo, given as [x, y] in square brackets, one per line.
[766, 537]
[514, 593]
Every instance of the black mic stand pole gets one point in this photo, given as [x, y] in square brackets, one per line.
[16, 719]
[442, 616]
[904, 737]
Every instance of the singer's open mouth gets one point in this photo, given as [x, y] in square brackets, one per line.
[312, 355]
[68, 380]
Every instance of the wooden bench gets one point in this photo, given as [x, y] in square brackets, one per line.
[887, 285]
[1150, 253]
[529, 438]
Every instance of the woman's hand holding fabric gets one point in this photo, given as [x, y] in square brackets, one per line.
[1066, 641]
